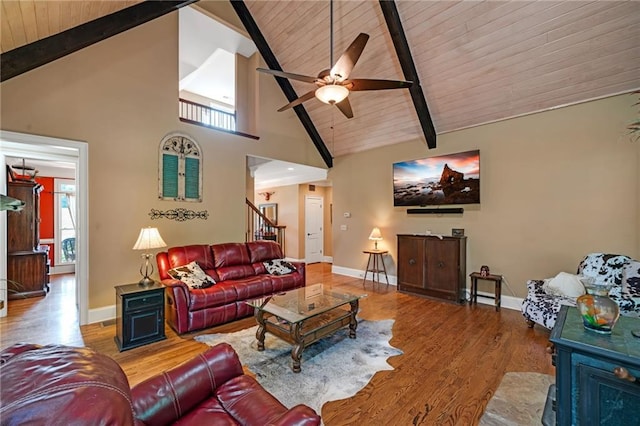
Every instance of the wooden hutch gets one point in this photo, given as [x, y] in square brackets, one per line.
[27, 261]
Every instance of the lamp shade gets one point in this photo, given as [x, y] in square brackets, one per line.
[375, 235]
[332, 93]
[149, 238]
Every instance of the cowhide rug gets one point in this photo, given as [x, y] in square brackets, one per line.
[518, 401]
[334, 368]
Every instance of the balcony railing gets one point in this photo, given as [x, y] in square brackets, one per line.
[195, 113]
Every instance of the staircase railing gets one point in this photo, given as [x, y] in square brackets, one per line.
[260, 227]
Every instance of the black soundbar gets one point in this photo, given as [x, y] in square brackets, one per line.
[446, 210]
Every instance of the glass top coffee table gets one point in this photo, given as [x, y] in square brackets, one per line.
[304, 316]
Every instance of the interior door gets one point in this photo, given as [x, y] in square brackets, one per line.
[314, 240]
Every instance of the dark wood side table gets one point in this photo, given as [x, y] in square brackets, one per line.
[139, 315]
[475, 276]
[373, 265]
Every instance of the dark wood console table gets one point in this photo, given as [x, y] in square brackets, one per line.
[433, 266]
[597, 375]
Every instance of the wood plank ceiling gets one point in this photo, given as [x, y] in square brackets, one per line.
[478, 61]
[26, 21]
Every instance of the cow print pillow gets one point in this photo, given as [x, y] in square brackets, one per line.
[192, 275]
[279, 267]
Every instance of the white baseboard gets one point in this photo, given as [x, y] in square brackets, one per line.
[327, 259]
[63, 269]
[508, 302]
[356, 273]
[102, 314]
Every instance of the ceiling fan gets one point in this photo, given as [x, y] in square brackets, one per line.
[334, 85]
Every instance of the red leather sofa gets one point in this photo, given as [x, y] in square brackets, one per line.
[61, 385]
[239, 273]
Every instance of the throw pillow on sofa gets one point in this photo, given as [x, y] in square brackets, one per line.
[279, 267]
[565, 285]
[192, 275]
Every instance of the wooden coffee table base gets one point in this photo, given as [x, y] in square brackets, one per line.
[304, 333]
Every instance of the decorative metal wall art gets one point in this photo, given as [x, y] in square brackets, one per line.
[179, 214]
[180, 169]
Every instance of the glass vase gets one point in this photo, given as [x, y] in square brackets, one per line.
[599, 313]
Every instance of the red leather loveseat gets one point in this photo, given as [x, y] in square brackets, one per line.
[239, 273]
[62, 385]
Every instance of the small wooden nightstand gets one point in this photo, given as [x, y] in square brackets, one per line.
[139, 315]
[475, 276]
[376, 257]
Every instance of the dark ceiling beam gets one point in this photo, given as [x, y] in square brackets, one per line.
[41, 52]
[271, 61]
[394, 24]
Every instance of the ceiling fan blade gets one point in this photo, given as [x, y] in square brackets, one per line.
[360, 84]
[345, 107]
[347, 61]
[305, 78]
[301, 99]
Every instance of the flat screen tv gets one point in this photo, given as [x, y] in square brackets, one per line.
[435, 181]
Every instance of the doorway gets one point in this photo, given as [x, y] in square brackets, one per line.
[53, 149]
[313, 218]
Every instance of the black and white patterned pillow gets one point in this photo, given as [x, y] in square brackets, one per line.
[192, 275]
[279, 267]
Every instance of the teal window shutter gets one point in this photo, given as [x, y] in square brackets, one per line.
[170, 176]
[180, 176]
[192, 178]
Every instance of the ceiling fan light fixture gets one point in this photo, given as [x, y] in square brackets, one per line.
[332, 93]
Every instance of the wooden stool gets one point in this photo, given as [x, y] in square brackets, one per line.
[376, 256]
[475, 276]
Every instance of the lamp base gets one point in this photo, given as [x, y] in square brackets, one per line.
[146, 282]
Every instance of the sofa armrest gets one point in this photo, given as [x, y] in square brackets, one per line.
[300, 415]
[300, 267]
[7, 354]
[165, 398]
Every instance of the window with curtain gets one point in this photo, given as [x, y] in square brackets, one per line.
[180, 168]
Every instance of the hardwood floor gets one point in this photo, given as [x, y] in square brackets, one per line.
[454, 355]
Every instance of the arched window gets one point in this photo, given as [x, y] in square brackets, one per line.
[180, 169]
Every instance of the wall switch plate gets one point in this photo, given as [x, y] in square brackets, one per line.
[343, 227]
[347, 215]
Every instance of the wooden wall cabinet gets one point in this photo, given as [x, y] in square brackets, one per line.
[27, 262]
[434, 267]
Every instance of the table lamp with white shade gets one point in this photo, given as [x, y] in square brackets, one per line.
[148, 239]
[375, 236]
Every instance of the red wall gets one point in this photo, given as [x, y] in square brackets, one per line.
[46, 213]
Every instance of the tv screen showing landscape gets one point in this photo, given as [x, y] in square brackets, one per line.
[443, 180]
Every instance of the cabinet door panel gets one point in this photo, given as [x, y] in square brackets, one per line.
[442, 265]
[606, 400]
[410, 262]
